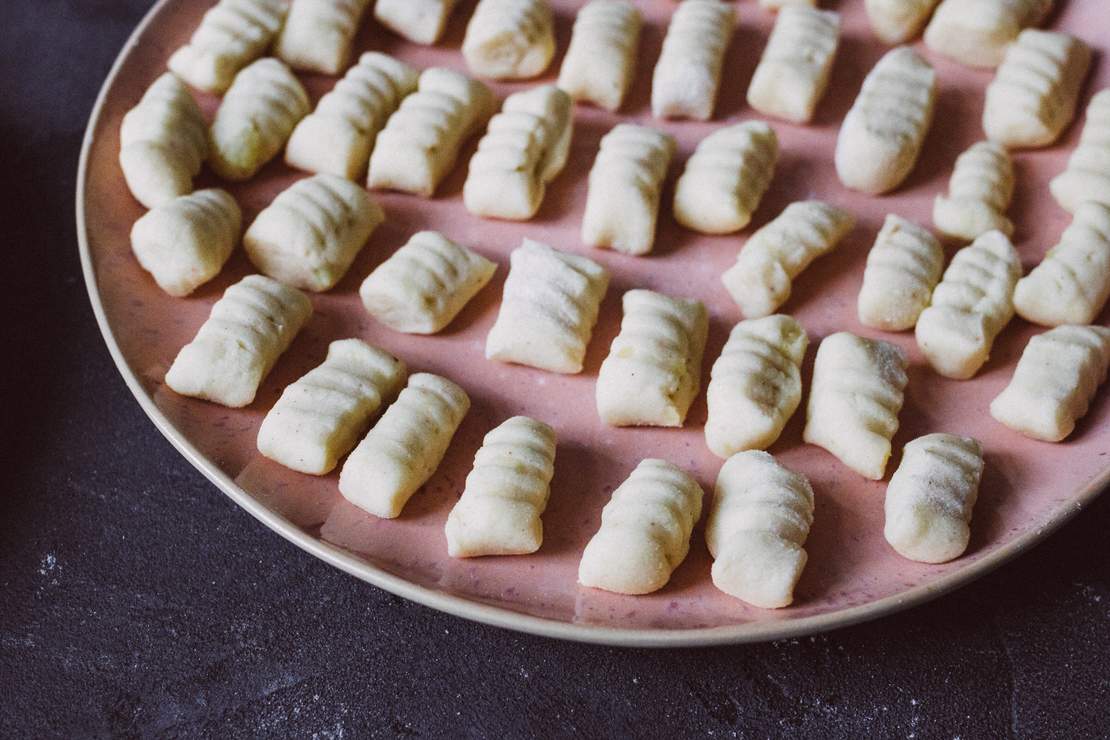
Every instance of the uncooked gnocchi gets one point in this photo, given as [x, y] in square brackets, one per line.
[548, 309]
[1032, 98]
[601, 59]
[903, 267]
[420, 143]
[857, 391]
[525, 147]
[688, 73]
[163, 142]
[898, 21]
[881, 137]
[726, 177]
[249, 328]
[419, 21]
[794, 70]
[509, 39]
[757, 529]
[930, 498]
[1087, 177]
[762, 277]
[184, 243]
[311, 233]
[756, 385]
[424, 284]
[971, 306]
[977, 32]
[255, 119]
[337, 138]
[318, 34]
[1055, 381]
[321, 416]
[1072, 283]
[403, 450]
[231, 35]
[645, 530]
[505, 492]
[978, 195]
[653, 371]
[625, 186]
[779, 4]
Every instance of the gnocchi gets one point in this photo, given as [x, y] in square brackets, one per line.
[977, 32]
[979, 194]
[688, 73]
[318, 34]
[898, 21]
[509, 39]
[601, 59]
[794, 70]
[419, 21]
[903, 267]
[1087, 177]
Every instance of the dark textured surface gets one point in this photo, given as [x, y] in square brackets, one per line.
[135, 599]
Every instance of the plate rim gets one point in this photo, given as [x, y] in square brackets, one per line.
[473, 610]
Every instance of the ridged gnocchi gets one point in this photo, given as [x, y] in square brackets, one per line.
[321, 416]
[509, 39]
[977, 32]
[755, 385]
[688, 73]
[971, 306]
[234, 350]
[403, 450]
[506, 492]
[764, 272]
[794, 70]
[898, 21]
[601, 59]
[857, 391]
[978, 195]
[419, 21]
[653, 371]
[424, 284]
[163, 143]
[548, 309]
[645, 530]
[757, 529]
[1087, 177]
[311, 233]
[318, 34]
[184, 243]
[903, 267]
[726, 177]
[881, 137]
[337, 138]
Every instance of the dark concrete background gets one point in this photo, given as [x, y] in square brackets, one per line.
[135, 599]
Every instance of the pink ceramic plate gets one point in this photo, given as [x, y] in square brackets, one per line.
[1029, 489]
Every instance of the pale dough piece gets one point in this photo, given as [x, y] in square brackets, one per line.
[424, 284]
[255, 119]
[505, 492]
[903, 267]
[645, 530]
[779, 4]
[978, 195]
[688, 73]
[971, 306]
[757, 529]
[1033, 96]
[548, 309]
[321, 416]
[421, 140]
[1055, 381]
[857, 391]
[1072, 283]
[764, 272]
[881, 137]
[756, 385]
[231, 35]
[311, 233]
[625, 185]
[337, 138]
[509, 39]
[249, 328]
[930, 497]
[419, 21]
[653, 371]
[794, 70]
[163, 142]
[318, 34]
[1087, 177]
[601, 60]
[185, 243]
[402, 451]
[977, 32]
[726, 177]
[525, 147]
[898, 21]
